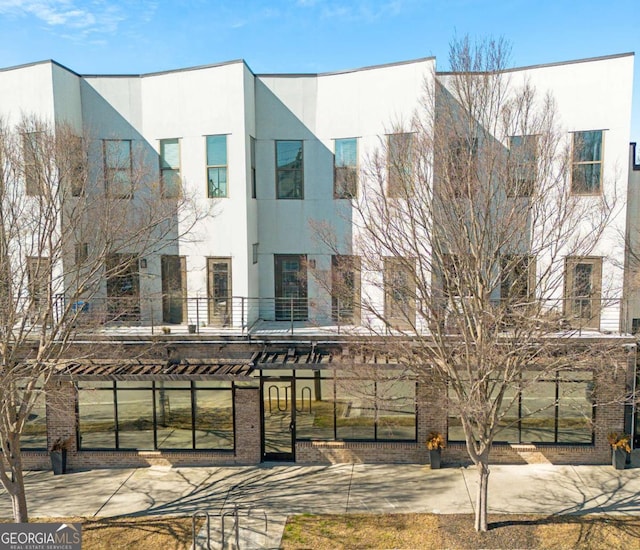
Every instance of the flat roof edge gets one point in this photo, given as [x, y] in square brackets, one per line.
[543, 65]
[34, 63]
[347, 71]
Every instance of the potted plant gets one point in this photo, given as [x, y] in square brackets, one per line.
[620, 447]
[435, 444]
[58, 455]
[166, 330]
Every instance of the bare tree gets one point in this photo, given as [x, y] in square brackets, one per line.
[468, 219]
[76, 214]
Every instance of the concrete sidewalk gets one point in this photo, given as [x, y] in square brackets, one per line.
[281, 490]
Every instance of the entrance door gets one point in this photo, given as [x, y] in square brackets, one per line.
[174, 288]
[219, 283]
[278, 419]
[291, 287]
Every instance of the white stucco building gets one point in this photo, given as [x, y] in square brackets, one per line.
[271, 159]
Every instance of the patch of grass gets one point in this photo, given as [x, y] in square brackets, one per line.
[141, 533]
[410, 531]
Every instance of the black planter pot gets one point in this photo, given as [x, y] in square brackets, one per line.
[435, 456]
[58, 462]
[192, 329]
[619, 459]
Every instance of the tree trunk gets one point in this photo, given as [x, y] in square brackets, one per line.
[19, 505]
[481, 523]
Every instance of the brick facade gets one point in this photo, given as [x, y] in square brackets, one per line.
[431, 406]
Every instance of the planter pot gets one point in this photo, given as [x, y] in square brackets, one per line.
[58, 462]
[435, 456]
[192, 329]
[619, 459]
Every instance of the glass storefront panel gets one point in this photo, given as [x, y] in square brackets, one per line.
[173, 418]
[575, 411]
[96, 417]
[315, 408]
[214, 419]
[396, 410]
[34, 434]
[538, 413]
[355, 409]
[135, 419]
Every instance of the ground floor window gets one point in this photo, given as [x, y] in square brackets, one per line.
[551, 408]
[345, 405]
[34, 434]
[162, 415]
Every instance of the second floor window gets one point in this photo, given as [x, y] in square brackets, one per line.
[399, 165]
[522, 165]
[586, 169]
[33, 163]
[118, 168]
[170, 168]
[217, 166]
[289, 170]
[345, 170]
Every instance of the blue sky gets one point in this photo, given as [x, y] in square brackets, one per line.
[138, 36]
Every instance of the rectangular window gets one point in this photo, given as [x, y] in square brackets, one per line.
[289, 170]
[217, 166]
[517, 281]
[345, 168]
[583, 287]
[73, 166]
[34, 433]
[252, 144]
[219, 288]
[32, 157]
[461, 176]
[39, 280]
[81, 253]
[291, 287]
[556, 408]
[399, 292]
[118, 168]
[522, 165]
[586, 173]
[160, 415]
[170, 168]
[345, 289]
[173, 274]
[123, 287]
[254, 250]
[400, 174]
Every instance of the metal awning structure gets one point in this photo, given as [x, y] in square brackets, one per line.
[140, 369]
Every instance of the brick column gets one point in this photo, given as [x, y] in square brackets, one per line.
[247, 425]
[61, 413]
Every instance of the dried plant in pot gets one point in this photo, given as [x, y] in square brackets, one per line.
[620, 448]
[435, 443]
[58, 455]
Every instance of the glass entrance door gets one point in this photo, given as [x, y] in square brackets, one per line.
[278, 419]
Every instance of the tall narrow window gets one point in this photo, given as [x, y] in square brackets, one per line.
[217, 166]
[118, 170]
[123, 287]
[170, 168]
[345, 169]
[460, 178]
[220, 295]
[517, 279]
[291, 287]
[345, 289]
[81, 253]
[33, 163]
[39, 279]
[400, 292]
[289, 170]
[522, 165]
[586, 173]
[399, 165]
[252, 145]
[583, 287]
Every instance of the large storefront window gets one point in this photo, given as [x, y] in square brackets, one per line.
[166, 415]
[34, 434]
[556, 408]
[344, 405]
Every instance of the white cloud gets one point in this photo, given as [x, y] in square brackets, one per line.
[77, 18]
